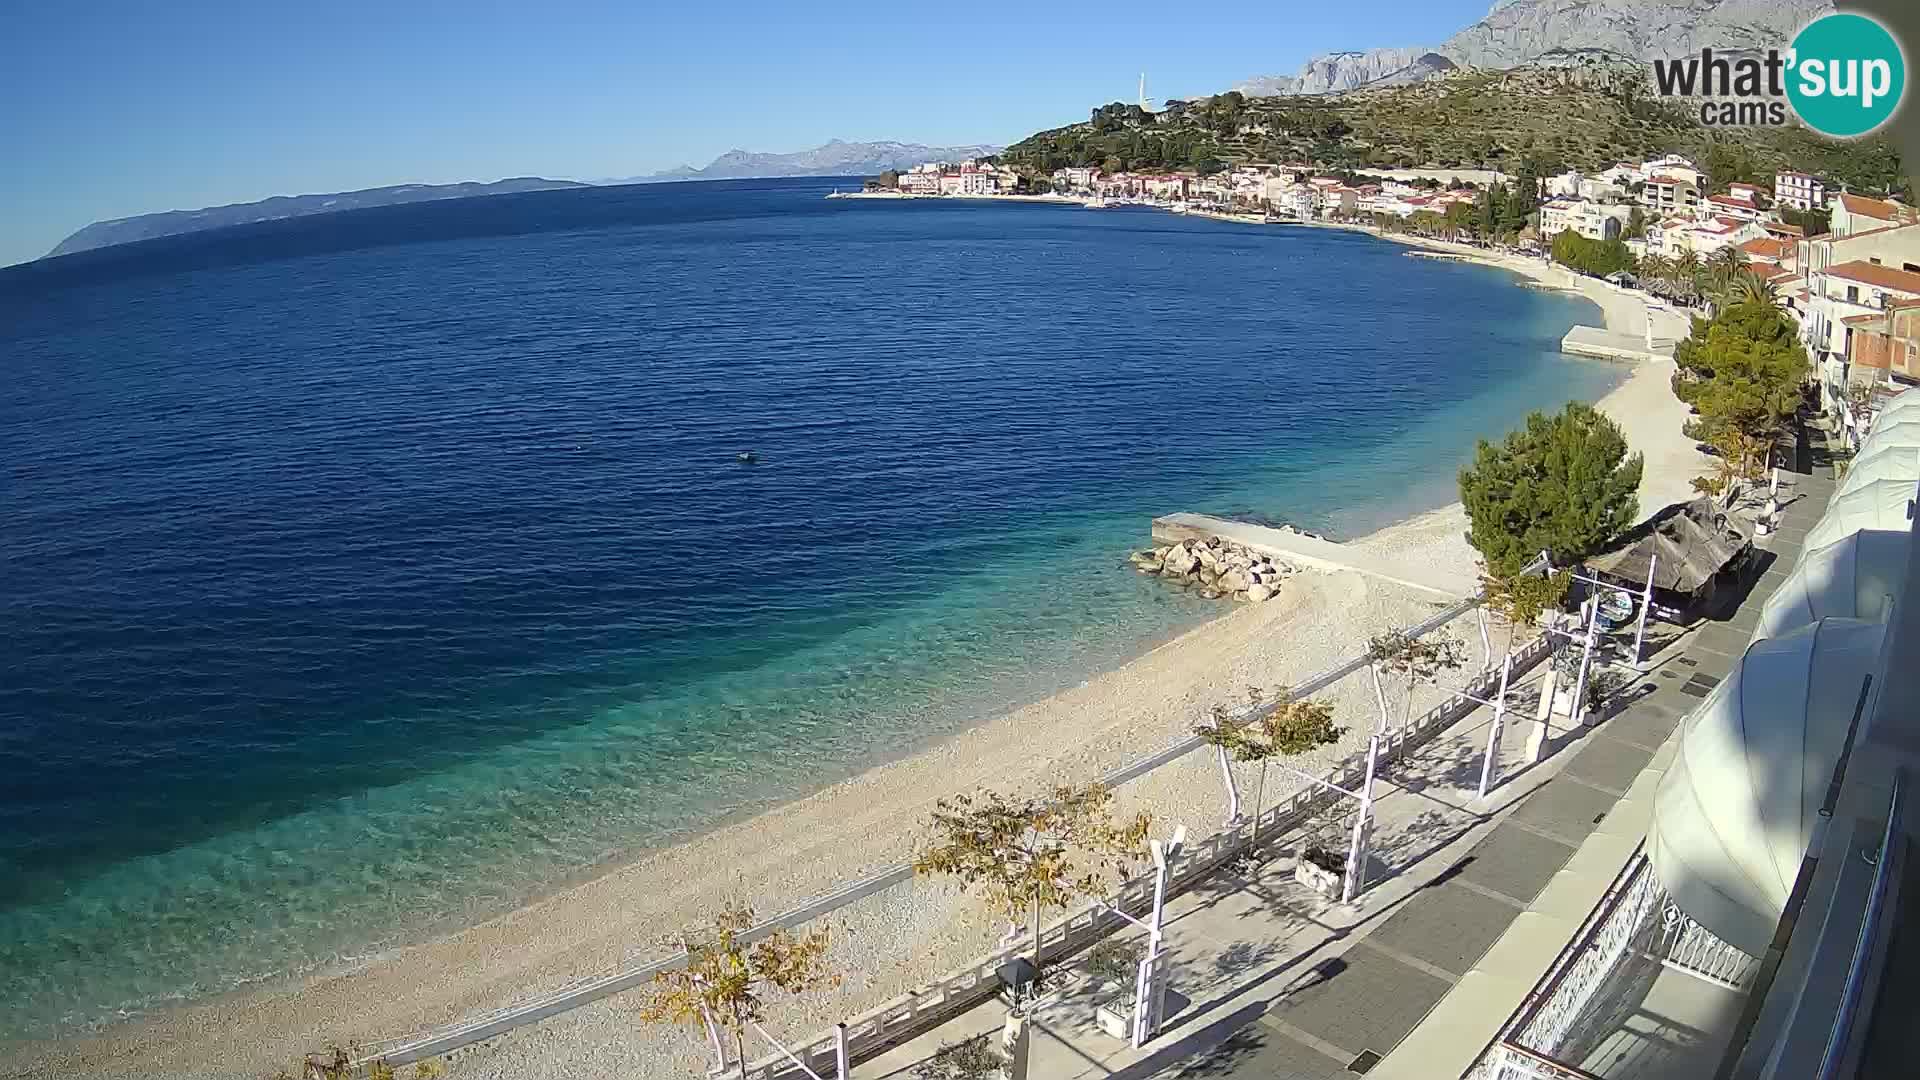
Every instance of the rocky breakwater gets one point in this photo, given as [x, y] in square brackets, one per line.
[1216, 567]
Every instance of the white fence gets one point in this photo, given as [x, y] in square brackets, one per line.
[1560, 1016]
[957, 991]
[405, 1049]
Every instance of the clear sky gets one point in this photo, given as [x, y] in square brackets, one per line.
[114, 109]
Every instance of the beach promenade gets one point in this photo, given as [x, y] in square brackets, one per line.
[1271, 982]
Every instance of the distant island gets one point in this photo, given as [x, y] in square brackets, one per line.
[835, 158]
[175, 222]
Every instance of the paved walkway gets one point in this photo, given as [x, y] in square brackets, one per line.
[1271, 982]
[1244, 939]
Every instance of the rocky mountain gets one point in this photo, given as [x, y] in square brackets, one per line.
[1332, 73]
[175, 222]
[836, 158]
[1516, 32]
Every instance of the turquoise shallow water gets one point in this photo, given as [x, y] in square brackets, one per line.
[371, 575]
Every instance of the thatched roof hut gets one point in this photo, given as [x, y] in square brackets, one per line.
[1687, 545]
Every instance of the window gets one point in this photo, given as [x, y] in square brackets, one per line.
[1853, 294]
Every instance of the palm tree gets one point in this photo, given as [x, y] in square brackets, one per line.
[1724, 268]
[1686, 276]
[1657, 273]
[1751, 287]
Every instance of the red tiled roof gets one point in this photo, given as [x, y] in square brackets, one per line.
[1878, 209]
[1885, 277]
[1766, 247]
[1862, 320]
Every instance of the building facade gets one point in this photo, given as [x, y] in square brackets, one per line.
[1595, 221]
[1799, 190]
[1665, 193]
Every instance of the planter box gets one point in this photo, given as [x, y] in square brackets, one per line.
[1115, 1016]
[1318, 878]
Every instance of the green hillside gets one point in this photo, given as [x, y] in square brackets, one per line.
[1579, 117]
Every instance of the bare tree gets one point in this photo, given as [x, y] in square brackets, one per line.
[1420, 659]
[725, 978]
[1288, 729]
[1033, 854]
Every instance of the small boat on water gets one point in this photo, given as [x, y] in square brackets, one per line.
[1095, 203]
[746, 457]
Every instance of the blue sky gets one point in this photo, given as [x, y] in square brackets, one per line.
[119, 109]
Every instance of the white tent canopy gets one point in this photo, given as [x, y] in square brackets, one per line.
[1901, 430]
[1734, 813]
[1881, 504]
[1851, 578]
[1885, 463]
[1903, 404]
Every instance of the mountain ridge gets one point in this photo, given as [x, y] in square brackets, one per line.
[127, 230]
[1518, 32]
[836, 157]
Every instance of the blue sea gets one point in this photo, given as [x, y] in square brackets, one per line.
[366, 575]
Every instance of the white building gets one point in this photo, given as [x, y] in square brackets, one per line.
[1339, 201]
[1595, 221]
[1851, 214]
[1076, 178]
[921, 180]
[1670, 193]
[1599, 189]
[1567, 184]
[1843, 294]
[1799, 190]
[1623, 174]
[1672, 165]
[1731, 206]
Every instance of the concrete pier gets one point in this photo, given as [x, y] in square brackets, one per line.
[1612, 345]
[1302, 550]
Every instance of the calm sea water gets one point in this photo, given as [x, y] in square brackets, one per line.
[364, 575]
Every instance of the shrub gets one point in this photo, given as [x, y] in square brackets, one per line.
[1562, 484]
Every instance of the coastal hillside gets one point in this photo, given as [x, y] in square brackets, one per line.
[834, 158]
[1520, 32]
[175, 222]
[1571, 113]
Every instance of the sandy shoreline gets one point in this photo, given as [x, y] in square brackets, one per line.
[887, 943]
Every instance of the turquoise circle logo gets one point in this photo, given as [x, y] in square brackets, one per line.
[1847, 75]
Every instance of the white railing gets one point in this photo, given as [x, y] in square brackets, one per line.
[1537, 1032]
[966, 987]
[1681, 943]
[1557, 1020]
[402, 1050]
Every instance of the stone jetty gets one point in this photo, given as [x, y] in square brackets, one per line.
[1217, 567]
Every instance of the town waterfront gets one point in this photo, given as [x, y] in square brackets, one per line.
[369, 576]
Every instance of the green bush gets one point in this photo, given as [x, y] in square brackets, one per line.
[1563, 484]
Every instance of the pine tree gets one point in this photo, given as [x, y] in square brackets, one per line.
[1742, 372]
[1563, 484]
